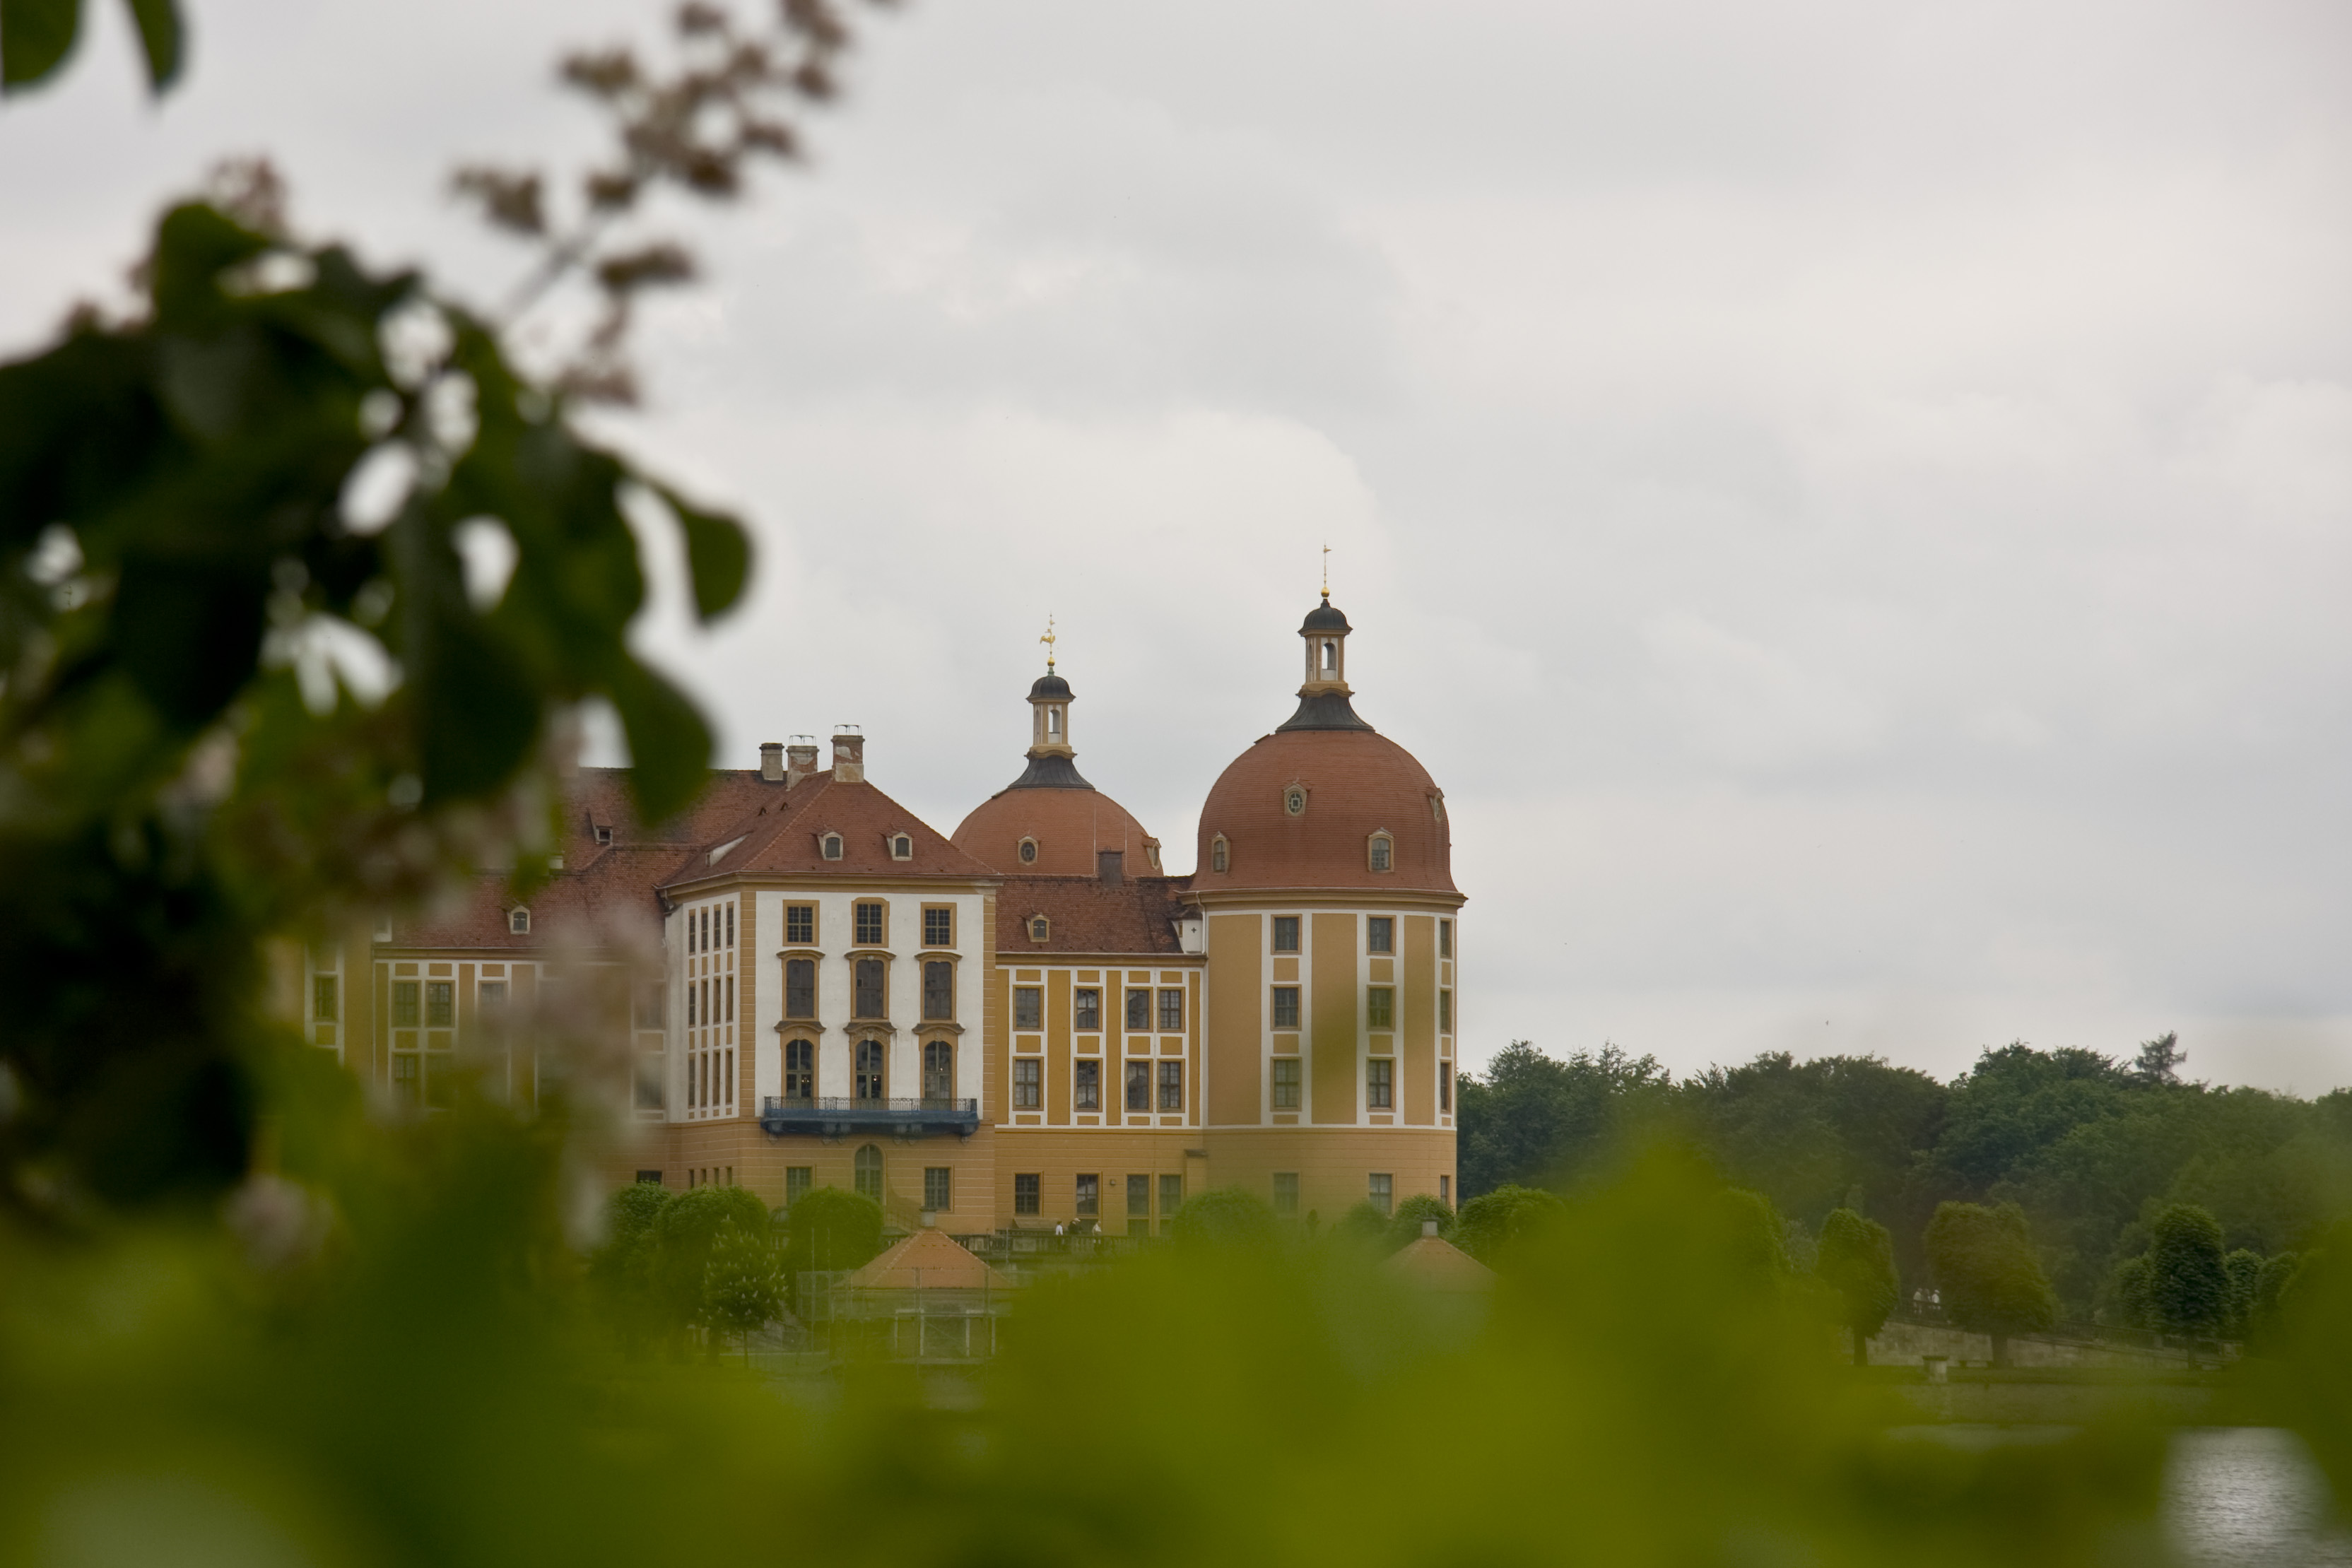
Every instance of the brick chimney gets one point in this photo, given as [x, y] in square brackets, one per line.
[800, 762]
[1111, 866]
[771, 761]
[848, 755]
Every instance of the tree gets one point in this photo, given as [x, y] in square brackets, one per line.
[1404, 1227]
[685, 1231]
[2160, 1060]
[1531, 1120]
[742, 1285]
[1225, 1218]
[2187, 1282]
[1364, 1225]
[1856, 1260]
[622, 1268]
[1984, 1263]
[2271, 1286]
[1493, 1223]
[829, 1229]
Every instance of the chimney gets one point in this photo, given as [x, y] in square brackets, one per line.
[802, 754]
[1111, 866]
[771, 761]
[848, 755]
[1428, 1228]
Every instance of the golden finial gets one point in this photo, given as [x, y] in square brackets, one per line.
[1327, 574]
[1048, 640]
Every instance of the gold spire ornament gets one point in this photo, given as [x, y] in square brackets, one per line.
[1048, 640]
[1327, 574]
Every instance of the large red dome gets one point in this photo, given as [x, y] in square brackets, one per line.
[1346, 786]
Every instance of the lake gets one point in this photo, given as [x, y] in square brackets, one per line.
[2238, 1497]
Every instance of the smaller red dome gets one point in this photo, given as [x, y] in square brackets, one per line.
[1069, 827]
[1356, 784]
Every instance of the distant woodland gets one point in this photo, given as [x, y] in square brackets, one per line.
[2091, 1147]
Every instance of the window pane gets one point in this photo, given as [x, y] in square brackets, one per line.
[440, 1004]
[1089, 1194]
[1380, 854]
[1138, 1086]
[1285, 934]
[1138, 1010]
[800, 987]
[1025, 1189]
[800, 923]
[1285, 1192]
[869, 997]
[870, 1078]
[653, 1004]
[1172, 1196]
[1380, 1079]
[1138, 1197]
[939, 927]
[1028, 1007]
[1087, 1003]
[1172, 1010]
[1379, 934]
[1217, 856]
[1445, 938]
[1286, 1007]
[1028, 1080]
[1446, 1013]
[1445, 1086]
[869, 925]
[404, 1004]
[1379, 1007]
[1086, 1083]
[798, 1179]
[323, 998]
[1171, 1086]
[938, 1070]
[936, 1196]
[869, 1171]
[1286, 1084]
[939, 991]
[1383, 1192]
[799, 1070]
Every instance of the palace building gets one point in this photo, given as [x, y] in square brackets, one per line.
[1026, 1024]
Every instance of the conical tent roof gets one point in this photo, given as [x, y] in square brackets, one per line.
[1433, 1263]
[928, 1261]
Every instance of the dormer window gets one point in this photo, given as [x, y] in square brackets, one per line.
[830, 846]
[604, 835]
[902, 847]
[1217, 854]
[1381, 852]
[1294, 800]
[1028, 851]
[518, 922]
[1152, 852]
[1040, 929]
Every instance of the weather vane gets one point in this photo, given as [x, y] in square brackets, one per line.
[1048, 640]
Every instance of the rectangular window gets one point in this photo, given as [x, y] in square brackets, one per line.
[1446, 1190]
[1171, 1086]
[1286, 1084]
[1445, 938]
[1086, 1003]
[490, 996]
[869, 925]
[938, 1070]
[799, 1070]
[1025, 1189]
[1285, 934]
[1286, 1193]
[1379, 934]
[652, 1068]
[798, 1179]
[799, 925]
[800, 987]
[867, 993]
[1379, 1085]
[936, 1195]
[727, 1012]
[652, 1004]
[440, 1004]
[730, 942]
[1172, 1010]
[404, 1004]
[1028, 1007]
[1028, 1082]
[406, 1084]
[1380, 1007]
[1445, 1086]
[1286, 1007]
[939, 927]
[1138, 1086]
[1138, 1010]
[939, 989]
[323, 997]
[1446, 1013]
[1171, 1198]
[1086, 1086]
[1383, 1192]
[1089, 1196]
[1138, 1205]
[871, 1078]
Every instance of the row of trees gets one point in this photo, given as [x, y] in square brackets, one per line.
[2090, 1149]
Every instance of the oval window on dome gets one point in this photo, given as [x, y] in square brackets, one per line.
[1294, 801]
[1028, 851]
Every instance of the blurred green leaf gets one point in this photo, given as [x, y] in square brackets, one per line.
[161, 38]
[669, 744]
[35, 37]
[718, 554]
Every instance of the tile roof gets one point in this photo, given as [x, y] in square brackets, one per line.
[1087, 914]
[1433, 1263]
[929, 1259]
[782, 838]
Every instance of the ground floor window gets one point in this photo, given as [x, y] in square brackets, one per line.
[1383, 1192]
[1171, 1198]
[938, 1195]
[1285, 1193]
[1138, 1205]
[1025, 1189]
[1089, 1194]
[868, 1166]
[798, 1179]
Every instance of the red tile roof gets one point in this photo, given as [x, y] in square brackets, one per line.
[1086, 915]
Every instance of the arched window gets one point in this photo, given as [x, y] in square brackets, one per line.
[518, 922]
[1217, 854]
[869, 1171]
[1028, 851]
[870, 1082]
[902, 848]
[1330, 656]
[799, 1070]
[832, 846]
[939, 1068]
[1052, 722]
[1381, 852]
[1040, 929]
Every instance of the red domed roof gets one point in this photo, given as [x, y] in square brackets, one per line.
[1357, 783]
[1069, 826]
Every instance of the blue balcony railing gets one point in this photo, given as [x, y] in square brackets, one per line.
[840, 1116]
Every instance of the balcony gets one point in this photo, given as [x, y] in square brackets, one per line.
[840, 1116]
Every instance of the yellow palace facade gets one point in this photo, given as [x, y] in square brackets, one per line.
[1024, 1024]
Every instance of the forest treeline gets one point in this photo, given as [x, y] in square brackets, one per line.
[2091, 1148]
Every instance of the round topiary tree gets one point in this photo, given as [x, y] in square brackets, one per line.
[1855, 1258]
[1226, 1218]
[1493, 1223]
[1985, 1267]
[828, 1229]
[1404, 1227]
[2188, 1281]
[687, 1227]
[622, 1268]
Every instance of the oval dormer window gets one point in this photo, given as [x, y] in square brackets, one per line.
[518, 922]
[1028, 851]
[1294, 801]
[831, 844]
[902, 848]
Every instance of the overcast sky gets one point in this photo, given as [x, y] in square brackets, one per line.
[1851, 501]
